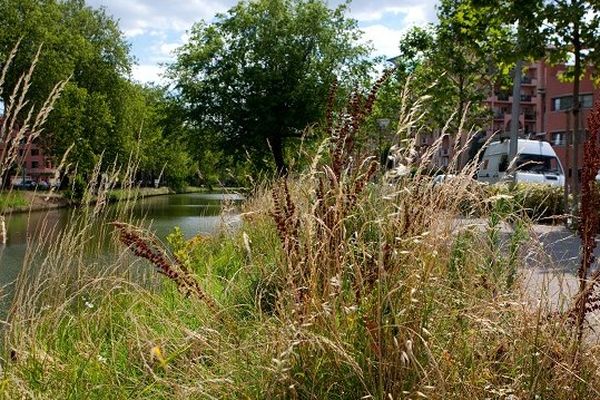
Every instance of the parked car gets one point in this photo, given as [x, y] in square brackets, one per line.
[43, 185]
[536, 162]
[32, 185]
[26, 185]
[439, 179]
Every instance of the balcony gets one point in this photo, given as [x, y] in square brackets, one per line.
[502, 96]
[527, 98]
[529, 116]
[528, 81]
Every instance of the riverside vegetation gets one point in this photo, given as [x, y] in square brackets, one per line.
[340, 283]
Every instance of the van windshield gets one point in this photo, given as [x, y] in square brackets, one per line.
[538, 164]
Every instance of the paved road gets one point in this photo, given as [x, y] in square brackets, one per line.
[553, 261]
[551, 258]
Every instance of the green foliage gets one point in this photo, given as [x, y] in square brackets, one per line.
[86, 45]
[76, 189]
[101, 113]
[539, 202]
[257, 76]
[77, 40]
[503, 267]
[12, 199]
[449, 63]
[573, 31]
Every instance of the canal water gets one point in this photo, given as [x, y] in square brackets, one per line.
[194, 213]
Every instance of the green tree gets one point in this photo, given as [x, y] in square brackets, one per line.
[447, 61]
[260, 74]
[77, 40]
[161, 143]
[86, 45]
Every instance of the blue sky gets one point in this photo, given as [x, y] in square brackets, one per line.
[157, 27]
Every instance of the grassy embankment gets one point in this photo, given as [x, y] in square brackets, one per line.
[336, 286]
[10, 200]
[25, 201]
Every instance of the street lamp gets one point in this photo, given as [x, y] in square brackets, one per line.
[383, 124]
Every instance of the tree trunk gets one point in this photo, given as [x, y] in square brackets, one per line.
[576, 111]
[276, 144]
[461, 162]
[567, 161]
[515, 113]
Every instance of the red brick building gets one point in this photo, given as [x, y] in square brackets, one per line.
[545, 101]
[545, 104]
[32, 164]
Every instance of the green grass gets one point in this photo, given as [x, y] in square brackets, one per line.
[432, 322]
[12, 199]
[124, 194]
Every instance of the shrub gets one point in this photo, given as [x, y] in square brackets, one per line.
[539, 202]
[77, 189]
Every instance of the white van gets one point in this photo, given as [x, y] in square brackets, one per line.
[536, 163]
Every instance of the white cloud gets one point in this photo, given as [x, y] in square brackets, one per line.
[157, 27]
[410, 15]
[140, 16]
[415, 11]
[385, 40]
[147, 73]
[167, 49]
[131, 33]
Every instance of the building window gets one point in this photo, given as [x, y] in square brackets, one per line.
[35, 152]
[558, 139]
[565, 102]
[35, 164]
[587, 101]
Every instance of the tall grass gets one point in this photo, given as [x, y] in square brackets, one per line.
[341, 283]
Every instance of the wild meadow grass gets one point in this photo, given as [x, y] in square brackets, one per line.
[439, 315]
[340, 282]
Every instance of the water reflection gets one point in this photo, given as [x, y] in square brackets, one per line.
[193, 213]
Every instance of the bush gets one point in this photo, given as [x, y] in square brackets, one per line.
[538, 202]
[77, 189]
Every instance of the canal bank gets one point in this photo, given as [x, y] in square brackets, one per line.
[33, 201]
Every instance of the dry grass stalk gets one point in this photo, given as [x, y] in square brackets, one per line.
[144, 245]
[21, 127]
[337, 188]
[587, 300]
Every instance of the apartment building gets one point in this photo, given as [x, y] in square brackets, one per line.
[33, 163]
[545, 102]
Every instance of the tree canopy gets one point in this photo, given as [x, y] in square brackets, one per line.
[257, 76]
[101, 111]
